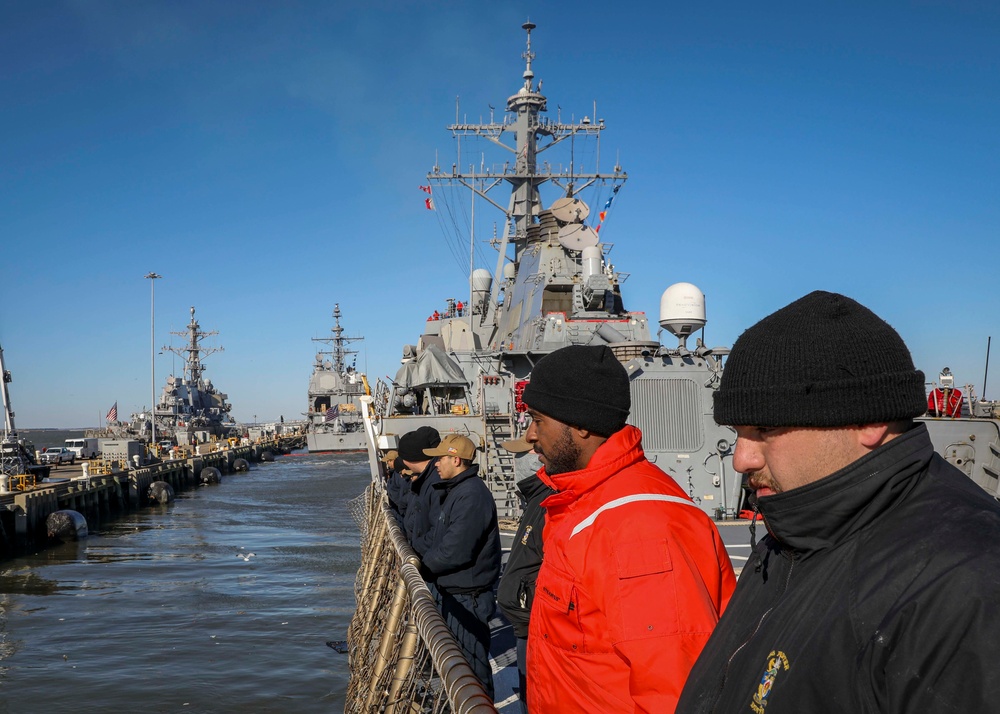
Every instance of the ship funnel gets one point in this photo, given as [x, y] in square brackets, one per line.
[682, 310]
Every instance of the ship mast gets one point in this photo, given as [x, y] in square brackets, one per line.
[339, 350]
[192, 353]
[532, 135]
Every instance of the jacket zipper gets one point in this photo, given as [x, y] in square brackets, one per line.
[749, 639]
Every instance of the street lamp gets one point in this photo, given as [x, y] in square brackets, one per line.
[152, 355]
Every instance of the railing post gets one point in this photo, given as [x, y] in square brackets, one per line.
[388, 640]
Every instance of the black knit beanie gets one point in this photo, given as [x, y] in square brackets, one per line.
[582, 386]
[412, 444]
[823, 361]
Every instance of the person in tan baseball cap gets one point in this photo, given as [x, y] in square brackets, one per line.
[455, 454]
[462, 564]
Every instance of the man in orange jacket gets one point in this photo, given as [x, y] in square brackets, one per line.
[635, 575]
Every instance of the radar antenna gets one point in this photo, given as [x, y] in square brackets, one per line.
[193, 352]
[337, 343]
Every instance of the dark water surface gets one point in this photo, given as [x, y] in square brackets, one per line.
[161, 612]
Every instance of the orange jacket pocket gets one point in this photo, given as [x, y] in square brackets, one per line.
[555, 615]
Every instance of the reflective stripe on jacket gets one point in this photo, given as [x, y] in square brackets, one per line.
[634, 579]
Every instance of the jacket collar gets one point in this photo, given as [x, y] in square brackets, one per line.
[827, 512]
[423, 475]
[622, 449]
[447, 483]
[531, 486]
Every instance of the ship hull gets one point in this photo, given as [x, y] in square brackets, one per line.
[352, 441]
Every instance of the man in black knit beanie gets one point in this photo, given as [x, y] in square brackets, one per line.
[634, 575]
[877, 586]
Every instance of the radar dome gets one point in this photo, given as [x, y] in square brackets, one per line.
[509, 271]
[682, 309]
[481, 280]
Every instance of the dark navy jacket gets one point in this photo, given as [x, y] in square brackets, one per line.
[464, 552]
[397, 488]
[419, 509]
[876, 590]
[517, 586]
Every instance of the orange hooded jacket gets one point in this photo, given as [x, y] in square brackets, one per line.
[633, 582]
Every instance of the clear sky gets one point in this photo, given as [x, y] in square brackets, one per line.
[265, 158]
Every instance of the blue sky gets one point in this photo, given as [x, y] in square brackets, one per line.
[265, 157]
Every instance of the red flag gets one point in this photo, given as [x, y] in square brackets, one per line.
[425, 189]
[429, 202]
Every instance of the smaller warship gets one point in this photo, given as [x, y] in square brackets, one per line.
[334, 415]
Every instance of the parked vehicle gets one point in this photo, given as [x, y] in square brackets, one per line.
[84, 448]
[57, 455]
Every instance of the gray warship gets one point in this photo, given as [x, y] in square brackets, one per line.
[554, 285]
[189, 410]
[335, 388]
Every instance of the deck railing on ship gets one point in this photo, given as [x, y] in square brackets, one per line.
[403, 657]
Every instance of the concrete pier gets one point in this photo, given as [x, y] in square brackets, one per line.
[104, 496]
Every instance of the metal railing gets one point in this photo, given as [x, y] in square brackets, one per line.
[403, 658]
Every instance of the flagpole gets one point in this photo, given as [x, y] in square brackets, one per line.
[152, 357]
[472, 266]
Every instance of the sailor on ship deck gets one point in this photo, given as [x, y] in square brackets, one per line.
[634, 576]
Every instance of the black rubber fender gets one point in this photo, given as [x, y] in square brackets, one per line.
[66, 525]
[160, 492]
[210, 474]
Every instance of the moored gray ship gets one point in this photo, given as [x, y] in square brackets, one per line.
[554, 285]
[190, 409]
[335, 387]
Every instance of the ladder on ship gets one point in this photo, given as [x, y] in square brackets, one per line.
[500, 465]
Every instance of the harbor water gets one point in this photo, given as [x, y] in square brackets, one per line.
[222, 601]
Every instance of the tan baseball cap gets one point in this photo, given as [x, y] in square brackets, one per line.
[390, 457]
[454, 445]
[517, 446]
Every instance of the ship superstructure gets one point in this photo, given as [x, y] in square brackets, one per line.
[190, 409]
[335, 387]
[553, 286]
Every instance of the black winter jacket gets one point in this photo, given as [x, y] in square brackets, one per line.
[516, 591]
[420, 508]
[397, 488]
[877, 590]
[464, 544]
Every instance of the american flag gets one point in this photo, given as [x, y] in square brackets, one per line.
[112, 413]
[332, 413]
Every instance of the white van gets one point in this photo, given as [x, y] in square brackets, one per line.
[83, 448]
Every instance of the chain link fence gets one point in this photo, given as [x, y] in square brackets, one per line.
[403, 658]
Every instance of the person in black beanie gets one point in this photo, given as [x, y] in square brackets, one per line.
[417, 500]
[877, 586]
[634, 575]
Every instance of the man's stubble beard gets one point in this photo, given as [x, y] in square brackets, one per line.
[564, 455]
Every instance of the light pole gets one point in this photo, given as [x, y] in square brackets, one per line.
[152, 356]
